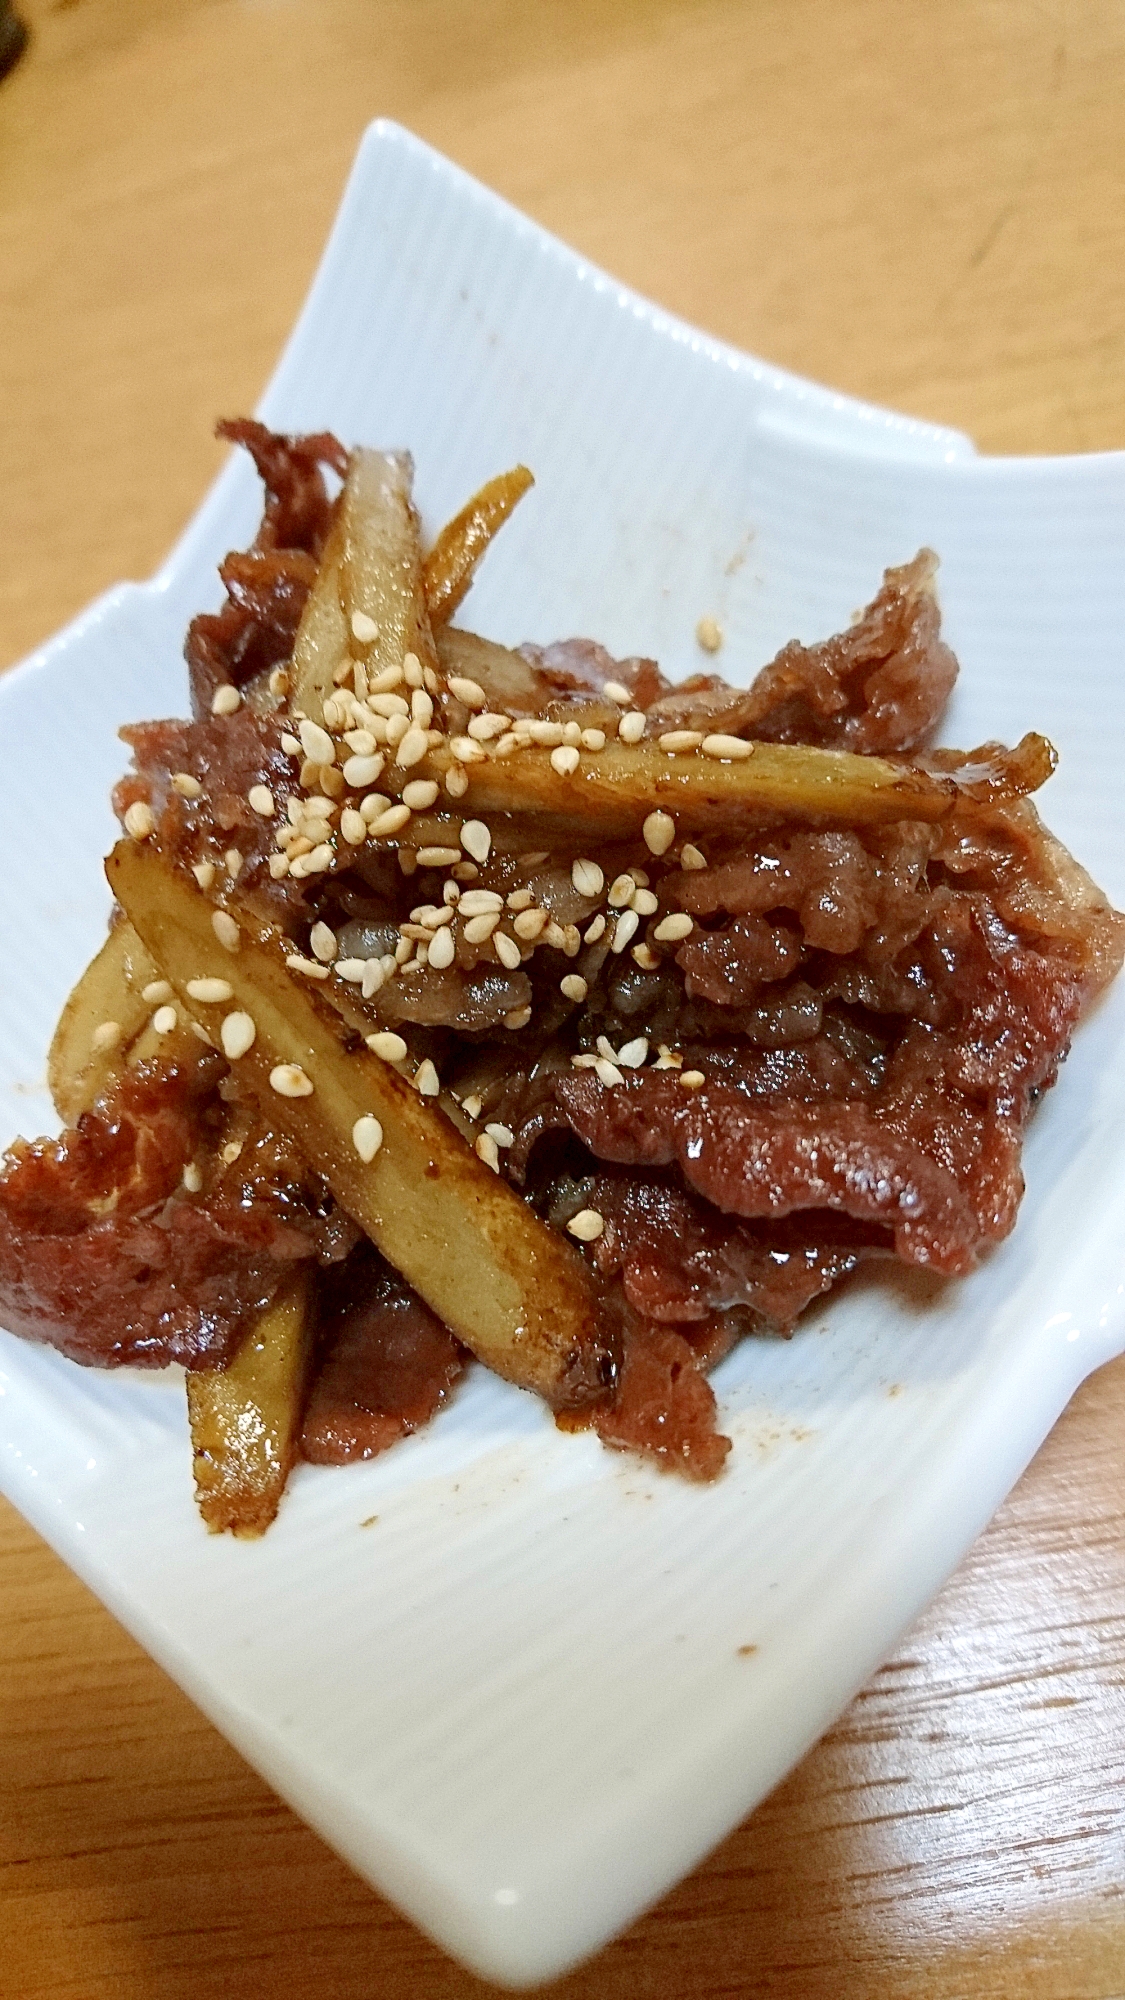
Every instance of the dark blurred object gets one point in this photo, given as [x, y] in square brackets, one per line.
[13, 37]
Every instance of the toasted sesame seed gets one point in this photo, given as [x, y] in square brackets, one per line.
[373, 976]
[420, 794]
[289, 1080]
[677, 741]
[261, 800]
[659, 832]
[484, 728]
[476, 839]
[632, 725]
[230, 1152]
[204, 872]
[157, 991]
[307, 967]
[353, 826]
[456, 781]
[412, 670]
[374, 804]
[529, 923]
[565, 760]
[691, 857]
[621, 892]
[572, 734]
[607, 1072]
[465, 750]
[192, 1177]
[518, 1018]
[594, 931]
[320, 859]
[392, 707]
[382, 682]
[645, 957]
[587, 1225]
[674, 928]
[226, 930]
[212, 992]
[618, 692]
[367, 1137]
[438, 857]
[364, 628]
[520, 899]
[634, 1054]
[487, 1150]
[480, 902]
[232, 862]
[361, 743]
[506, 949]
[667, 1058]
[200, 1034]
[587, 878]
[164, 1020]
[479, 929]
[692, 1078]
[426, 1079]
[548, 734]
[467, 692]
[442, 950]
[407, 861]
[187, 786]
[361, 771]
[709, 635]
[389, 1046]
[335, 713]
[391, 821]
[316, 742]
[105, 1037]
[139, 821]
[573, 987]
[731, 749]
[502, 1134]
[412, 747]
[278, 682]
[237, 1034]
[290, 745]
[625, 930]
[421, 708]
[225, 700]
[593, 739]
[644, 903]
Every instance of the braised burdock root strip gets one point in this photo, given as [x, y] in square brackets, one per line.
[462, 1001]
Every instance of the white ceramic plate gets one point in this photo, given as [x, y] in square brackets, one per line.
[523, 1701]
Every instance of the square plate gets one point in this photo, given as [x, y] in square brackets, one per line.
[522, 1683]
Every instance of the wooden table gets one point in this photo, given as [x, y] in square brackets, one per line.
[924, 204]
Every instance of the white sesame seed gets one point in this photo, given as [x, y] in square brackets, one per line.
[164, 1020]
[412, 670]
[156, 992]
[594, 931]
[262, 801]
[480, 902]
[291, 745]
[353, 826]
[465, 750]
[484, 728]
[364, 628]
[320, 859]
[673, 929]
[479, 929]
[307, 967]
[382, 682]
[487, 1150]
[506, 949]
[350, 969]
[237, 1035]
[732, 749]
[391, 821]
[225, 700]
[278, 681]
[546, 733]
[565, 760]
[139, 821]
[456, 782]
[587, 1225]
[105, 1037]
[605, 1048]
[360, 770]
[692, 1078]
[412, 747]
[659, 832]
[634, 1054]
[212, 992]
[625, 930]
[438, 857]
[476, 839]
[389, 706]
[335, 713]
[187, 786]
[367, 1137]
[204, 872]
[709, 635]
[621, 892]
[420, 794]
[587, 878]
[607, 1073]
[529, 923]
[668, 1058]
[467, 692]
[573, 987]
[691, 857]
[504, 745]
[520, 899]
[289, 1080]
[421, 708]
[471, 1105]
[232, 862]
[616, 691]
[404, 949]
[426, 1080]
[373, 976]
[316, 742]
[390, 1047]
[200, 1034]
[374, 804]
[645, 957]
[592, 739]
[645, 903]
[226, 930]
[322, 938]
[572, 734]
[442, 950]
[192, 1177]
[361, 742]
[632, 725]
[584, 1061]
[677, 741]
[230, 1152]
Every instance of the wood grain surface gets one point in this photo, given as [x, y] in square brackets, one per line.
[921, 203]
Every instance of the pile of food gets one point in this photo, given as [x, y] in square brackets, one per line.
[463, 1001]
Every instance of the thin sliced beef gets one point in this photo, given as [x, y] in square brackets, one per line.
[386, 1363]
